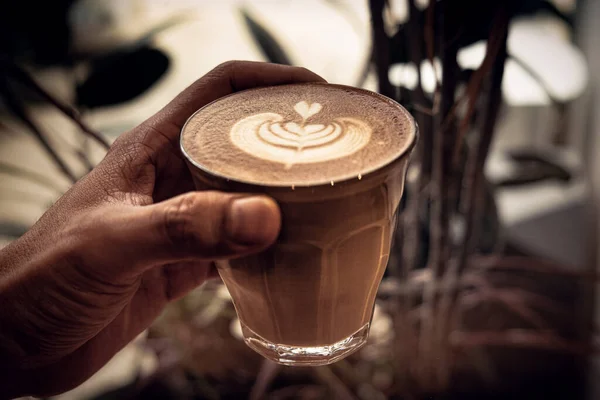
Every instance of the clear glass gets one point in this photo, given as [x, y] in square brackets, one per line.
[309, 299]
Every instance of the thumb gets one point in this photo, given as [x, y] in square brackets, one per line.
[209, 225]
[194, 226]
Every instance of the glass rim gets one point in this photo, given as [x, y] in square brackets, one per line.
[406, 151]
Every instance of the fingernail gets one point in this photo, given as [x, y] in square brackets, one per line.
[253, 221]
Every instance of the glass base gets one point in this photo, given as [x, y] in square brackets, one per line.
[306, 356]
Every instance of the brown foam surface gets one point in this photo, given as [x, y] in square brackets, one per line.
[302, 134]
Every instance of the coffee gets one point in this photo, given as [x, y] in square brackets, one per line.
[305, 134]
[334, 158]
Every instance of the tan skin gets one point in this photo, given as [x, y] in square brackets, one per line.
[126, 240]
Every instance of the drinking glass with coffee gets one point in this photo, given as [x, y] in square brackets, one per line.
[334, 158]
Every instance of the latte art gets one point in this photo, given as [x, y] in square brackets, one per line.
[269, 136]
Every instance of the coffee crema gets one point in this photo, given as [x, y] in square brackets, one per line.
[297, 135]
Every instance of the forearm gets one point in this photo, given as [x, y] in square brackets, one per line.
[10, 378]
[17, 378]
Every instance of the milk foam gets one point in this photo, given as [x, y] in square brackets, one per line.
[271, 137]
[298, 135]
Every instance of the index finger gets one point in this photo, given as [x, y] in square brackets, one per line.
[227, 78]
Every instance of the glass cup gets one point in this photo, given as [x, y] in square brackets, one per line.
[308, 300]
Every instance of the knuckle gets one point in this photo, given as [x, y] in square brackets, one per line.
[178, 223]
[193, 224]
[228, 70]
[117, 144]
[137, 156]
[228, 66]
[131, 163]
[120, 142]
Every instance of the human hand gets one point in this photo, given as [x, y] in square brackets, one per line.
[126, 240]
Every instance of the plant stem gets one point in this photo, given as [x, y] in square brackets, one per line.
[70, 112]
[496, 57]
[443, 144]
[267, 374]
[327, 377]
[443, 184]
[381, 48]
[476, 163]
[19, 110]
[411, 232]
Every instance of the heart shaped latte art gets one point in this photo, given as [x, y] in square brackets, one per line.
[268, 136]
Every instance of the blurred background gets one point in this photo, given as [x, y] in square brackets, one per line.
[510, 87]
